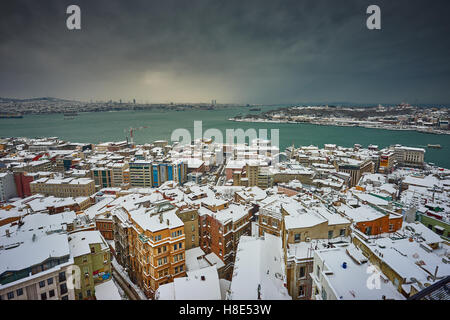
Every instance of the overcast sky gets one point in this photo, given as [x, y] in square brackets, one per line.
[233, 51]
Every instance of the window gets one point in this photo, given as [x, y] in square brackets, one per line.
[62, 276]
[391, 227]
[19, 292]
[396, 282]
[297, 237]
[181, 268]
[176, 269]
[159, 250]
[88, 293]
[330, 234]
[193, 227]
[65, 298]
[324, 294]
[80, 296]
[302, 272]
[10, 295]
[301, 291]
[50, 281]
[63, 288]
[41, 284]
[51, 293]
[193, 238]
[92, 249]
[342, 232]
[180, 245]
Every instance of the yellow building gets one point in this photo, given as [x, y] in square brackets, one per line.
[156, 246]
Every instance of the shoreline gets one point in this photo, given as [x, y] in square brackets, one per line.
[420, 130]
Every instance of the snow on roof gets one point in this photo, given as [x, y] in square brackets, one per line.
[259, 268]
[351, 283]
[153, 223]
[235, 164]
[51, 201]
[95, 209]
[428, 181]
[234, 212]
[410, 259]
[418, 228]
[362, 213]
[333, 218]
[201, 284]
[371, 199]
[30, 253]
[80, 241]
[214, 260]
[107, 291]
[194, 259]
[300, 217]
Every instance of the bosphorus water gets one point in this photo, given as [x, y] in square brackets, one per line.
[98, 127]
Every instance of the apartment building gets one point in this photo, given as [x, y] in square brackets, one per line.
[343, 273]
[103, 177]
[189, 215]
[408, 156]
[306, 225]
[141, 174]
[7, 186]
[120, 174]
[92, 256]
[221, 226]
[43, 270]
[156, 246]
[355, 168]
[68, 187]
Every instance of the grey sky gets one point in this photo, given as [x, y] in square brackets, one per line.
[232, 51]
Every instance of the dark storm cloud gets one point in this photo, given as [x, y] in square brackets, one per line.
[232, 51]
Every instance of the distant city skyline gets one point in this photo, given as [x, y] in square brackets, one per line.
[237, 52]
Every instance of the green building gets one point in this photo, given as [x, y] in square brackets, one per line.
[441, 227]
[92, 255]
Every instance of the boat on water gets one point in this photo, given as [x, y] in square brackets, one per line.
[434, 146]
[11, 116]
[70, 113]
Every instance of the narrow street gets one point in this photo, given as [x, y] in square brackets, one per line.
[131, 293]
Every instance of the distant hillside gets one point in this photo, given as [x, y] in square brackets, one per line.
[50, 99]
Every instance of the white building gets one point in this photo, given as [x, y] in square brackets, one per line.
[344, 273]
[7, 186]
[35, 266]
[259, 272]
